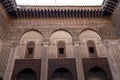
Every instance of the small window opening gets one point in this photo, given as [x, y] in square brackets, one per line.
[91, 50]
[30, 50]
[61, 50]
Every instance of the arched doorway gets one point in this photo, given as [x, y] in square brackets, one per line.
[26, 74]
[97, 73]
[62, 74]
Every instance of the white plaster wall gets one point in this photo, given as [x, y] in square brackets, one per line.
[60, 36]
[27, 37]
[91, 35]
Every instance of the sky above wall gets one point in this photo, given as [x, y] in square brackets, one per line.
[60, 2]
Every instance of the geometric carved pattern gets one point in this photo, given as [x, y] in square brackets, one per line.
[4, 56]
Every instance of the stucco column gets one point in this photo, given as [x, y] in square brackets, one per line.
[111, 61]
[10, 64]
[44, 62]
[79, 65]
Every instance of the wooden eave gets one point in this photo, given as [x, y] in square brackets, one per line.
[53, 11]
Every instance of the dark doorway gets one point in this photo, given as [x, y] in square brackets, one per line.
[97, 73]
[1, 78]
[62, 74]
[26, 74]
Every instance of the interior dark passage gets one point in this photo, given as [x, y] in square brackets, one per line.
[62, 74]
[26, 74]
[97, 74]
[1, 78]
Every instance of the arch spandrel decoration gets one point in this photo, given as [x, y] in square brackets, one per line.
[34, 36]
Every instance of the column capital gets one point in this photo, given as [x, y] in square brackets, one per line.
[76, 43]
[45, 44]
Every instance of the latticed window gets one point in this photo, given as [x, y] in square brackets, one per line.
[30, 49]
[61, 49]
[92, 48]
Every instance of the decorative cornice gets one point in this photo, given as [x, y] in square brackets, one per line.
[109, 7]
[21, 12]
[10, 6]
[66, 13]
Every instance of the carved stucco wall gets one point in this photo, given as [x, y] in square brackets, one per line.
[115, 45]
[4, 44]
[75, 26]
[116, 18]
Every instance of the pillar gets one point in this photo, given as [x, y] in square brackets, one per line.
[44, 61]
[79, 65]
